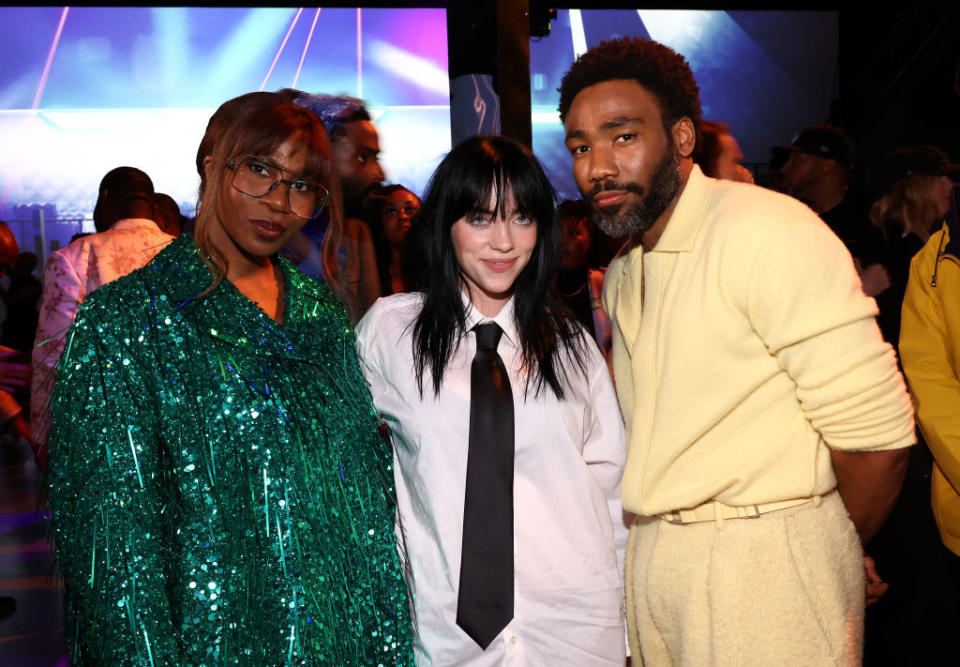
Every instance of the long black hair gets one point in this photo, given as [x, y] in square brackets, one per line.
[468, 176]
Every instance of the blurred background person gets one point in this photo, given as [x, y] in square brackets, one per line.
[578, 284]
[21, 299]
[127, 238]
[14, 373]
[356, 155]
[719, 154]
[167, 214]
[821, 171]
[911, 187]
[390, 210]
[13, 378]
[926, 619]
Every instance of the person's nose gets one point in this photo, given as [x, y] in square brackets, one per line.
[378, 171]
[602, 164]
[278, 197]
[502, 239]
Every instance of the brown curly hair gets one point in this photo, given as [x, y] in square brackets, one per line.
[658, 68]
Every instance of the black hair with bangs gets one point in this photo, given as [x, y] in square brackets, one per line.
[464, 182]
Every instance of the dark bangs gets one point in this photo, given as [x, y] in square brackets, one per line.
[492, 167]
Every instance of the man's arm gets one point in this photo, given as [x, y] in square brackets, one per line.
[368, 290]
[853, 395]
[821, 327]
[62, 293]
[869, 483]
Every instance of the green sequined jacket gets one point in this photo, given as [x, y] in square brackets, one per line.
[219, 490]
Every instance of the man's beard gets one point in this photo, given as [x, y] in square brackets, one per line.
[627, 221]
[354, 194]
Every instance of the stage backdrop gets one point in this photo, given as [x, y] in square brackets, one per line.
[86, 89]
[765, 73]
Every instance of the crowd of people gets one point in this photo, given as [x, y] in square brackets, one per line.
[326, 421]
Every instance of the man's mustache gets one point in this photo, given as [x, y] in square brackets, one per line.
[635, 188]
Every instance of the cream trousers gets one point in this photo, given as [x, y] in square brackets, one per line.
[785, 588]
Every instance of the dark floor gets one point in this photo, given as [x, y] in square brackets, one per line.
[33, 635]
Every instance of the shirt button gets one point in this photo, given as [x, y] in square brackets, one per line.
[513, 640]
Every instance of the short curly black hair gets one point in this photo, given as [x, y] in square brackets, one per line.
[658, 68]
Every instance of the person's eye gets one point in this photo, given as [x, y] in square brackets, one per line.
[300, 185]
[391, 211]
[362, 159]
[579, 150]
[411, 211]
[523, 220]
[479, 220]
[625, 137]
[259, 168]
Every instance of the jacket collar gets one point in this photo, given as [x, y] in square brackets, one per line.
[685, 222]
[135, 223]
[179, 273]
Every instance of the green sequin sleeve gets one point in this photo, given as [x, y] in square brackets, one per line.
[106, 501]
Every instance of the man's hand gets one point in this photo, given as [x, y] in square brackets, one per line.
[13, 375]
[876, 587]
[874, 278]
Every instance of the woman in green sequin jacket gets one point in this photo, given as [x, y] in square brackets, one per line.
[220, 493]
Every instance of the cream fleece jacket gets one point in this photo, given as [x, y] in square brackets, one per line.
[744, 347]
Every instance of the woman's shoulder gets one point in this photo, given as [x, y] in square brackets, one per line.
[395, 309]
[313, 296]
[120, 300]
[390, 317]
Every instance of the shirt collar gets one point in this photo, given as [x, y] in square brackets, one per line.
[134, 223]
[684, 224]
[504, 318]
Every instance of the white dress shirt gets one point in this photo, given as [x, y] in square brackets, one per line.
[570, 454]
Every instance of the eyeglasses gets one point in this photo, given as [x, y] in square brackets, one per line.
[409, 211]
[257, 178]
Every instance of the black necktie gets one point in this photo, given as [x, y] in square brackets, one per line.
[485, 600]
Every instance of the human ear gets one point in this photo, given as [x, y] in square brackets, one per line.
[208, 168]
[684, 136]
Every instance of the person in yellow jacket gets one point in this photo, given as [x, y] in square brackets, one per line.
[930, 352]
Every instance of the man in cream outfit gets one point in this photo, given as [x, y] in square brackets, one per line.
[752, 378]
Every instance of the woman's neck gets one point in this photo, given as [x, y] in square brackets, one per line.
[395, 270]
[261, 283]
[254, 277]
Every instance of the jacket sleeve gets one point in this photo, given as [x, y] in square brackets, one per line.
[929, 345]
[805, 301]
[106, 498]
[62, 293]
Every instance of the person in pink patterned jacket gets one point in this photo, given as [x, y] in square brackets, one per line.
[127, 239]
